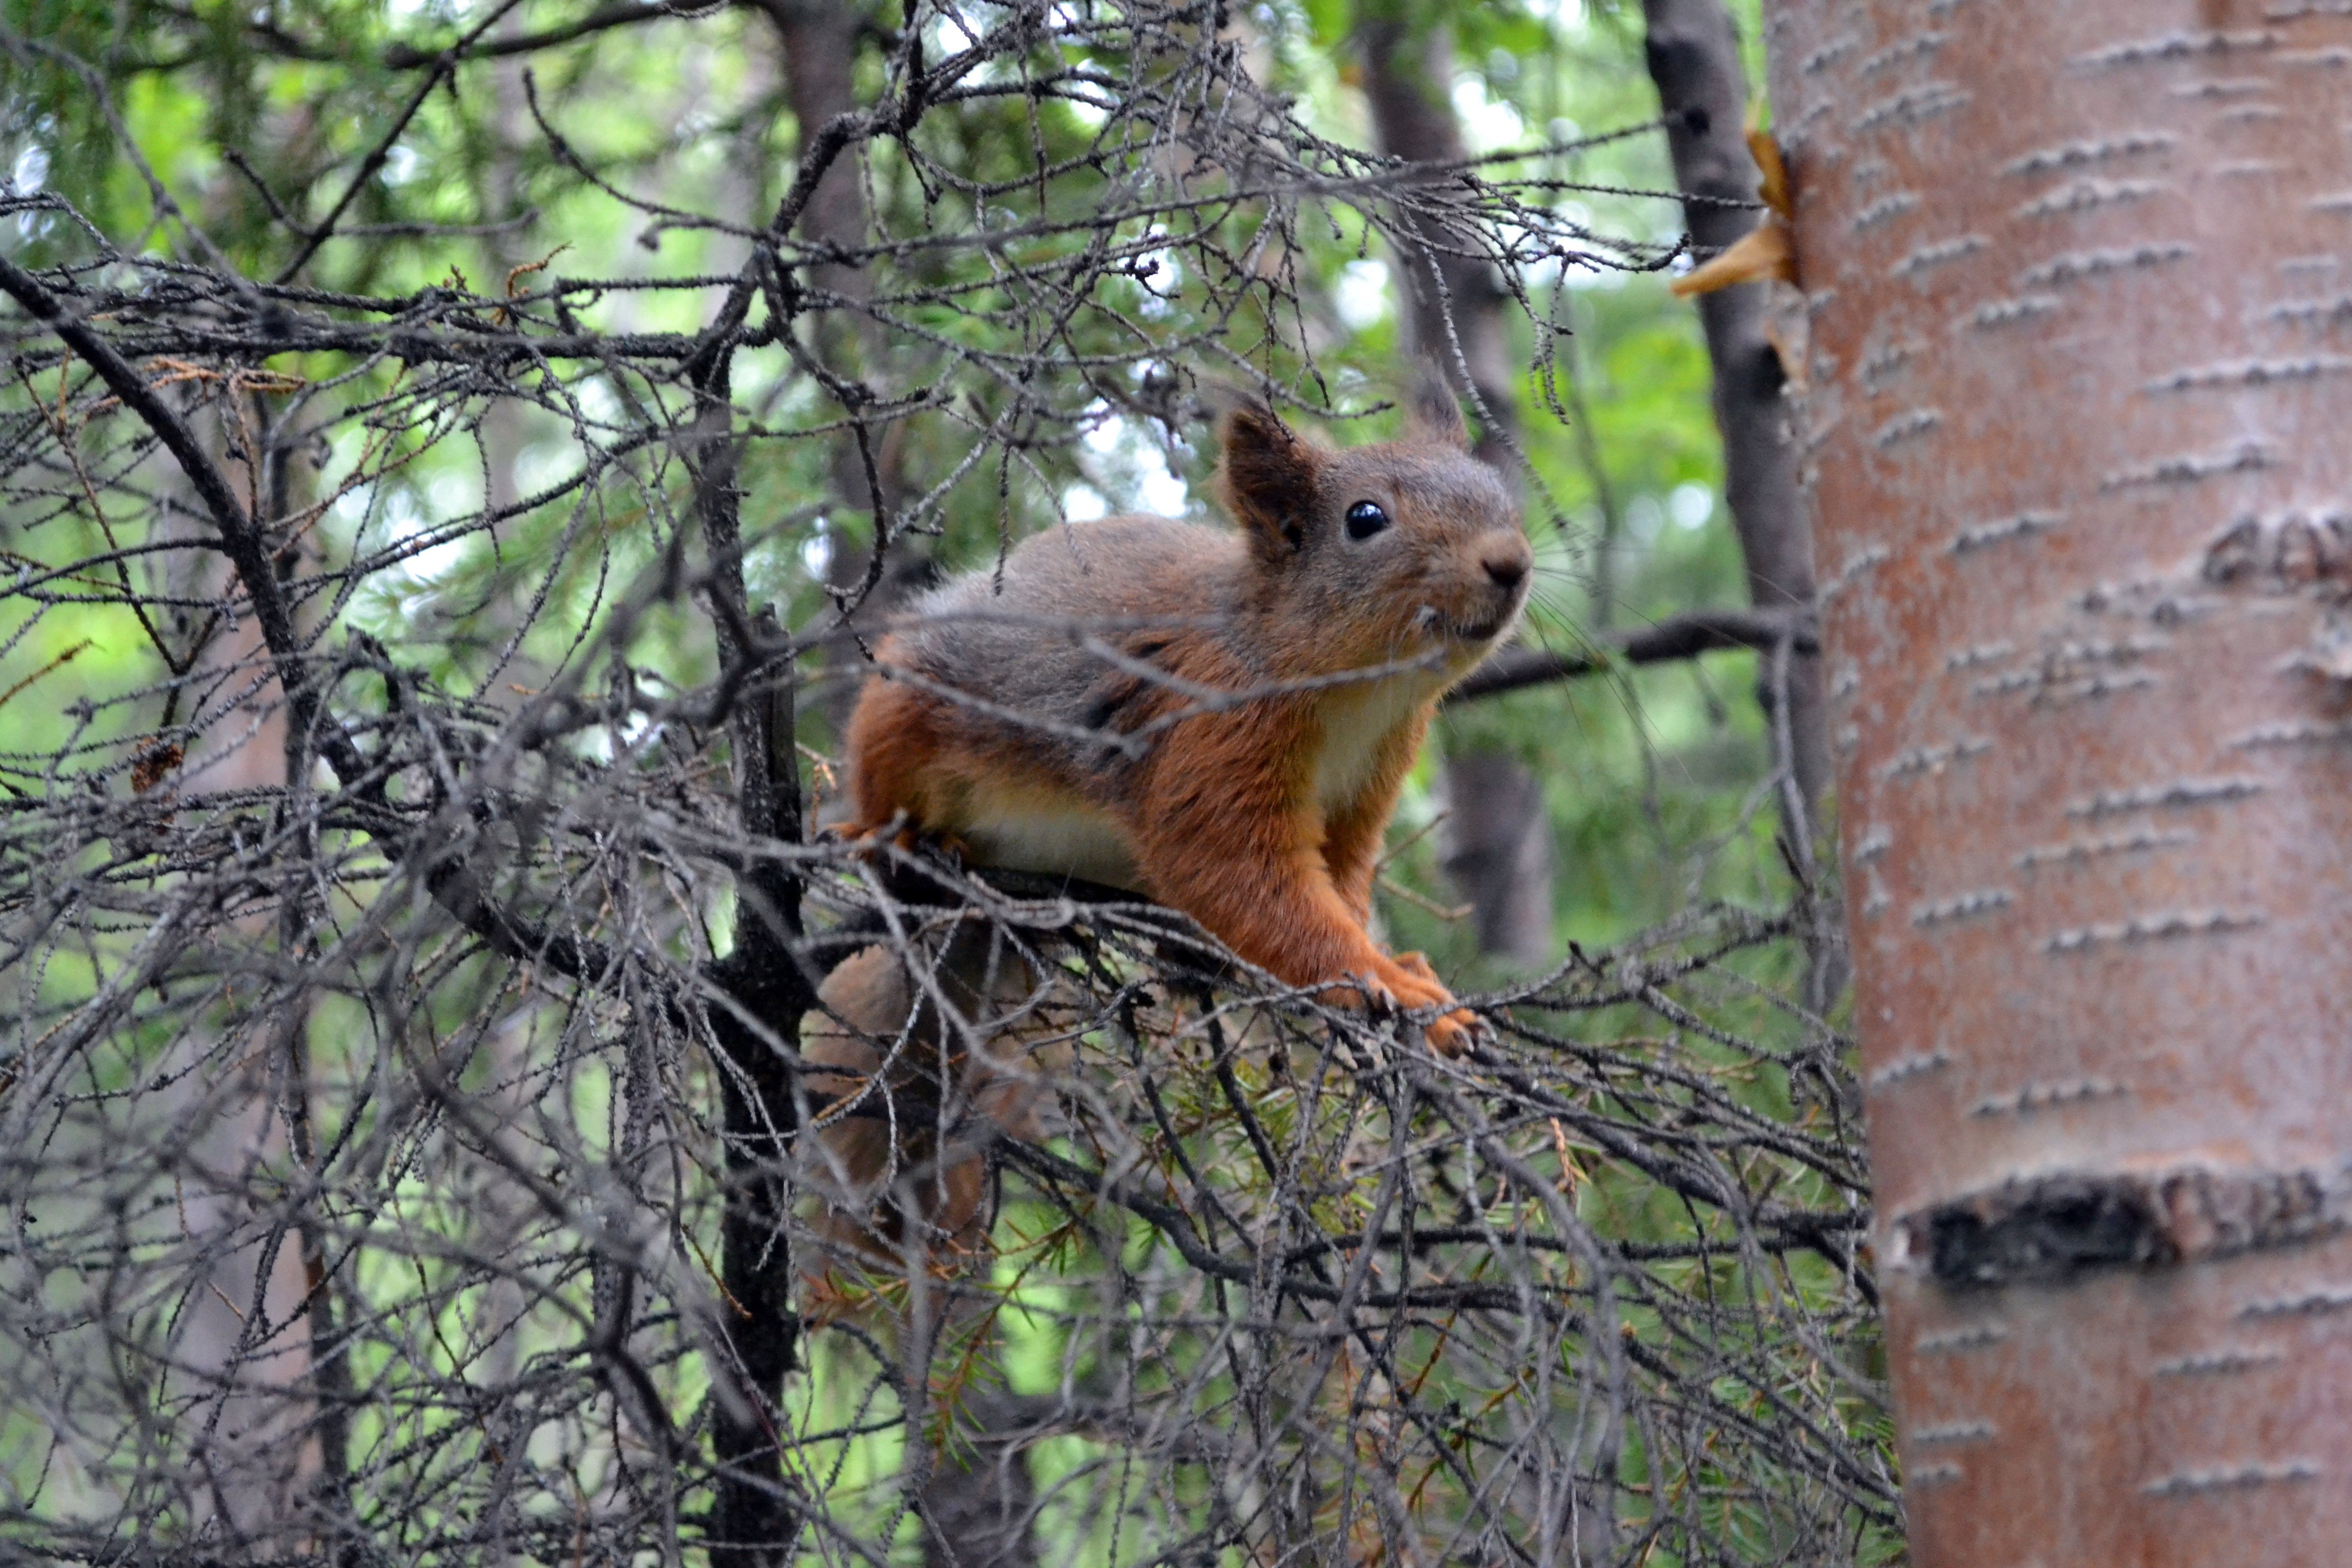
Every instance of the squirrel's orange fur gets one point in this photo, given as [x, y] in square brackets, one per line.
[1246, 765]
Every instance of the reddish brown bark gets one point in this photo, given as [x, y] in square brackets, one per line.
[2079, 285]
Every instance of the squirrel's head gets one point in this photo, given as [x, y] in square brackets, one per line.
[1379, 553]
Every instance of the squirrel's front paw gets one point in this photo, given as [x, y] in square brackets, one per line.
[1454, 1033]
[1449, 1034]
[867, 838]
[1412, 984]
[1391, 989]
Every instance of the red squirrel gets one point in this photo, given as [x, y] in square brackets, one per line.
[1359, 585]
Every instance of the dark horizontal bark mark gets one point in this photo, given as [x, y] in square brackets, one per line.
[2052, 1227]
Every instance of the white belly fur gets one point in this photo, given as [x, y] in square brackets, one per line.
[1356, 719]
[1047, 831]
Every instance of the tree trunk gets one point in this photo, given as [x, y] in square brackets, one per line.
[1453, 314]
[1496, 842]
[1694, 58]
[267, 1412]
[820, 40]
[754, 1523]
[2078, 280]
[1496, 848]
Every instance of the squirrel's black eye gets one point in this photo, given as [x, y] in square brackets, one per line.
[1365, 519]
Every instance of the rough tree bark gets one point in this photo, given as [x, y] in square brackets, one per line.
[1694, 58]
[2078, 278]
[1497, 840]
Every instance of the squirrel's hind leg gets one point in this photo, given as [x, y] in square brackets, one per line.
[903, 1107]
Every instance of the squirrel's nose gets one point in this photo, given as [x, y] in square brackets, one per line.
[1508, 565]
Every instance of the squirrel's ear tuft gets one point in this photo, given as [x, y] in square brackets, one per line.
[1267, 482]
[1433, 414]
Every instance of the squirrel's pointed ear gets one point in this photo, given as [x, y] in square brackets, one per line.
[1267, 481]
[1433, 414]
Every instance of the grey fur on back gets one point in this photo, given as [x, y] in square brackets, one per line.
[1123, 580]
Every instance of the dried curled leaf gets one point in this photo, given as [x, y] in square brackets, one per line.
[1768, 250]
[154, 766]
[1764, 251]
[1766, 151]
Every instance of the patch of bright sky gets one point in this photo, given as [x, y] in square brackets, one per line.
[595, 743]
[1492, 124]
[1690, 506]
[1488, 124]
[1166, 278]
[407, 517]
[816, 552]
[597, 400]
[542, 464]
[404, 520]
[1088, 114]
[31, 170]
[1125, 463]
[1362, 296]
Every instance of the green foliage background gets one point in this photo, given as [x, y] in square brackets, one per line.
[1638, 769]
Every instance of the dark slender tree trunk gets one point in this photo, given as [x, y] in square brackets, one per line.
[975, 1500]
[1693, 57]
[1497, 847]
[1497, 841]
[754, 1523]
[2082, 454]
[1453, 307]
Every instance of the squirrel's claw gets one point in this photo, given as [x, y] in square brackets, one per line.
[867, 838]
[1452, 1034]
[1412, 986]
